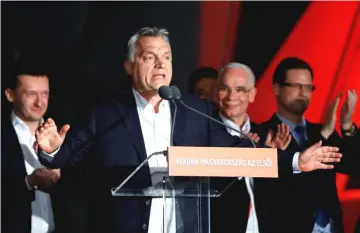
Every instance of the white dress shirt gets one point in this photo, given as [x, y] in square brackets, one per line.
[156, 129]
[252, 225]
[42, 219]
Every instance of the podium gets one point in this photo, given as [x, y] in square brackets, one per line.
[194, 177]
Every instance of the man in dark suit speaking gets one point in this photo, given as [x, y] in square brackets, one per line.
[139, 125]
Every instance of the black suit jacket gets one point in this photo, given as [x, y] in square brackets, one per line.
[118, 147]
[289, 204]
[16, 198]
[230, 212]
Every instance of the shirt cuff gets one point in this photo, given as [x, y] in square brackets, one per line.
[295, 163]
[27, 184]
[51, 154]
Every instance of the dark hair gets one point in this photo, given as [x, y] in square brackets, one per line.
[287, 64]
[198, 74]
[26, 68]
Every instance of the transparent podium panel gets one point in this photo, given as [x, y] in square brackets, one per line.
[185, 201]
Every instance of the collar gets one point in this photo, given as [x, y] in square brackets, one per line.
[142, 103]
[291, 124]
[17, 122]
[244, 129]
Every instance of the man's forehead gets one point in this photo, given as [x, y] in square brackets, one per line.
[235, 75]
[153, 43]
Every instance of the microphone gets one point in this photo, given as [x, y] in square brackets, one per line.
[166, 93]
[177, 97]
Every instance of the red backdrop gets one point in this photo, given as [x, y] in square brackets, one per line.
[327, 36]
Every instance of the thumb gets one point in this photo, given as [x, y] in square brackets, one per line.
[269, 136]
[315, 146]
[64, 130]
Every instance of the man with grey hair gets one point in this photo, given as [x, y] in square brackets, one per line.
[122, 135]
[235, 90]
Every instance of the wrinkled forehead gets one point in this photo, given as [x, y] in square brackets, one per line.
[152, 44]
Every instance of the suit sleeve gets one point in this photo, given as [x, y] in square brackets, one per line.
[350, 148]
[219, 137]
[77, 143]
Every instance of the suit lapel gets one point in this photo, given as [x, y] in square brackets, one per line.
[132, 123]
[179, 123]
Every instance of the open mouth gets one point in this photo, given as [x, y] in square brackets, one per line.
[158, 76]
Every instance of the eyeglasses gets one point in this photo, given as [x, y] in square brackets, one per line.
[299, 86]
[239, 90]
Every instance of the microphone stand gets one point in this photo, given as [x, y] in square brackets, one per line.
[114, 191]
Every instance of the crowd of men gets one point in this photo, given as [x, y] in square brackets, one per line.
[58, 179]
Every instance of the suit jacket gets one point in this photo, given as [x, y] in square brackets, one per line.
[16, 198]
[289, 204]
[350, 148]
[115, 134]
[230, 212]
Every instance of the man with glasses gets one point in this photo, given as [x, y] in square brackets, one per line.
[235, 90]
[303, 202]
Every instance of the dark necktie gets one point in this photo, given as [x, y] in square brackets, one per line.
[321, 217]
[300, 130]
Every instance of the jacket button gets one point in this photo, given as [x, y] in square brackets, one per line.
[148, 202]
[144, 226]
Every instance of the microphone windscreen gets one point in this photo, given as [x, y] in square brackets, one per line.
[165, 92]
[176, 92]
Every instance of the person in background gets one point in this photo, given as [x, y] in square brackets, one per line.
[235, 90]
[202, 82]
[304, 202]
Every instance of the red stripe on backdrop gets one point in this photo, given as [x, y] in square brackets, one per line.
[328, 37]
[218, 29]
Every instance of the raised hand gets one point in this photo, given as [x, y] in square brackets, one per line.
[254, 137]
[328, 126]
[316, 156]
[281, 139]
[348, 109]
[48, 138]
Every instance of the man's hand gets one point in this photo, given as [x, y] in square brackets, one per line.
[254, 137]
[48, 138]
[43, 178]
[316, 156]
[348, 109]
[328, 126]
[281, 139]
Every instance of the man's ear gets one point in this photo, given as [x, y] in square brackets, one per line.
[276, 89]
[9, 95]
[128, 67]
[252, 95]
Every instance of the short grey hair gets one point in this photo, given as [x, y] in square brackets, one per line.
[146, 31]
[240, 66]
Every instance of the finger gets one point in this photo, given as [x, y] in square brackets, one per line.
[287, 141]
[326, 149]
[269, 136]
[283, 129]
[315, 146]
[257, 138]
[51, 122]
[287, 130]
[324, 166]
[46, 125]
[64, 130]
[277, 131]
[330, 160]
